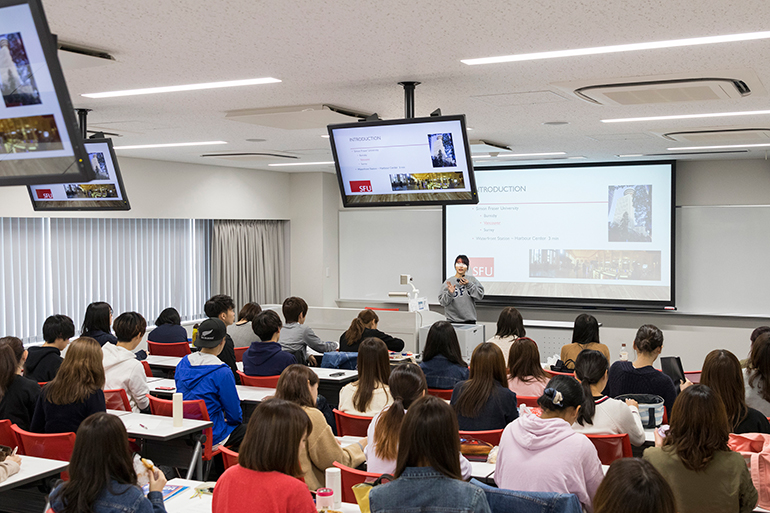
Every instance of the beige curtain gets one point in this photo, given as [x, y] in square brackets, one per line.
[248, 261]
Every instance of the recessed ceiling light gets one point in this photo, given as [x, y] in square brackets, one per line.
[630, 155]
[556, 123]
[169, 145]
[188, 87]
[721, 147]
[501, 155]
[674, 43]
[303, 164]
[690, 116]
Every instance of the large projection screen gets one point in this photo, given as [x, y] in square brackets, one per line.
[589, 234]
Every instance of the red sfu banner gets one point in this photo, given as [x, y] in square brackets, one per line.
[44, 194]
[483, 267]
[361, 186]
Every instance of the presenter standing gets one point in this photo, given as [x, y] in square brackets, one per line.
[459, 294]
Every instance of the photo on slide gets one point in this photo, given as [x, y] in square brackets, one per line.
[90, 191]
[426, 181]
[630, 213]
[594, 264]
[99, 165]
[24, 135]
[442, 150]
[16, 79]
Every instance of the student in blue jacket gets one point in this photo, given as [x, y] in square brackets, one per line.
[202, 375]
[265, 356]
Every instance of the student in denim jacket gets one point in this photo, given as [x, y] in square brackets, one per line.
[428, 476]
[442, 361]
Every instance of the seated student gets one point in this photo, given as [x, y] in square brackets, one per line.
[483, 402]
[510, 328]
[168, 328]
[75, 393]
[298, 384]
[121, 368]
[757, 375]
[705, 475]
[365, 326]
[557, 459]
[585, 335]
[18, 395]
[407, 384]
[102, 475]
[295, 336]
[753, 338]
[97, 322]
[222, 307]
[370, 394]
[639, 376]
[632, 485]
[265, 356]
[242, 332]
[43, 361]
[442, 361]
[602, 415]
[202, 375]
[268, 464]
[722, 373]
[525, 373]
[428, 475]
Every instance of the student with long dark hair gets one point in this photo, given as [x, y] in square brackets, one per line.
[442, 361]
[525, 373]
[484, 402]
[242, 332]
[18, 395]
[757, 375]
[370, 394]
[97, 322]
[632, 485]
[585, 335]
[510, 328]
[427, 468]
[557, 458]
[705, 475]
[44, 361]
[102, 475]
[722, 373]
[365, 326]
[460, 292]
[168, 328]
[602, 415]
[268, 464]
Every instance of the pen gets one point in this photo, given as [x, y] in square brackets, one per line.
[14, 450]
[143, 426]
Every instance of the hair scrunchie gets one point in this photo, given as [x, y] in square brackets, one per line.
[556, 398]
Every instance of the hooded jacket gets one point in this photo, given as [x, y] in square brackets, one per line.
[42, 363]
[123, 370]
[547, 455]
[204, 376]
[266, 359]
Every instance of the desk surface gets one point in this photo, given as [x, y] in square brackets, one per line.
[245, 393]
[158, 427]
[33, 469]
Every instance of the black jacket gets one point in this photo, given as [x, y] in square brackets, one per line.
[18, 403]
[42, 363]
[101, 336]
[394, 344]
[228, 356]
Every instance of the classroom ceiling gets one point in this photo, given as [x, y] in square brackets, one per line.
[351, 54]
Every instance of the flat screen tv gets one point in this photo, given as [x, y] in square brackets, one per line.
[401, 162]
[104, 192]
[39, 137]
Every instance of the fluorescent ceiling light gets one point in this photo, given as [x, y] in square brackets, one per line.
[722, 147]
[674, 43]
[325, 136]
[501, 155]
[303, 164]
[169, 145]
[690, 116]
[630, 155]
[188, 87]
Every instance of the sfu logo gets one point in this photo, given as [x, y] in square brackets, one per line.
[483, 267]
[44, 194]
[361, 186]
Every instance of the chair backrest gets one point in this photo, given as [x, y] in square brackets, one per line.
[492, 436]
[42, 383]
[259, 381]
[194, 409]
[554, 373]
[693, 376]
[350, 477]
[351, 425]
[612, 447]
[147, 369]
[441, 393]
[8, 436]
[168, 349]
[54, 446]
[117, 400]
[530, 401]
[229, 457]
[239, 353]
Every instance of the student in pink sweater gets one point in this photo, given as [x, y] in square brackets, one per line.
[544, 454]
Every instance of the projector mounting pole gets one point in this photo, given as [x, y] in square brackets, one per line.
[82, 115]
[409, 98]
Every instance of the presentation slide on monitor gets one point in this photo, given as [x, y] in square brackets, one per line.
[593, 232]
[388, 162]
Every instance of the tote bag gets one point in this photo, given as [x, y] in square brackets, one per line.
[755, 448]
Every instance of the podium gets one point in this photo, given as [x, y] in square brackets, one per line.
[468, 335]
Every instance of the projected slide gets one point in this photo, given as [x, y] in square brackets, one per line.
[596, 233]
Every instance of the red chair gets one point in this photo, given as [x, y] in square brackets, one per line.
[381, 309]
[693, 376]
[553, 374]
[611, 447]
[239, 353]
[147, 369]
[168, 349]
[351, 425]
[492, 436]
[229, 457]
[441, 393]
[8, 436]
[529, 401]
[117, 400]
[42, 383]
[351, 477]
[54, 446]
[259, 381]
[196, 410]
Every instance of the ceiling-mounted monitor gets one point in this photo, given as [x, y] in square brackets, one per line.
[39, 137]
[104, 192]
[403, 162]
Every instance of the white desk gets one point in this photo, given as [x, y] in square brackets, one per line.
[33, 469]
[163, 362]
[245, 393]
[482, 469]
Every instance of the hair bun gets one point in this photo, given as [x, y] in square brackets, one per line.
[556, 398]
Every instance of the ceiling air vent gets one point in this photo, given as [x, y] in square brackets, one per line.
[722, 136]
[665, 91]
[300, 117]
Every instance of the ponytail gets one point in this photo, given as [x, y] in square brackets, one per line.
[358, 325]
[560, 393]
[590, 368]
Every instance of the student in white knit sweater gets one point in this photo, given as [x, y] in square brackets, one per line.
[602, 415]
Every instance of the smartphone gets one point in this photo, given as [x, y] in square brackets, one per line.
[165, 388]
[335, 374]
